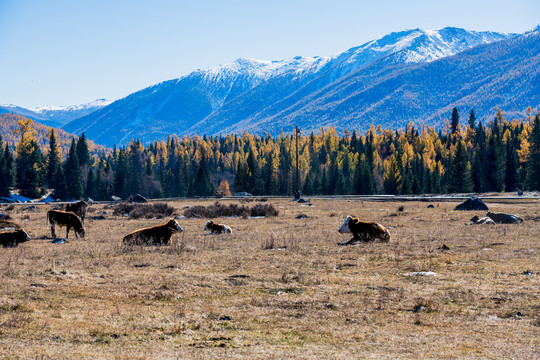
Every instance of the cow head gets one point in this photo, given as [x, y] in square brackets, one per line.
[173, 224]
[345, 226]
[81, 232]
[209, 225]
[22, 236]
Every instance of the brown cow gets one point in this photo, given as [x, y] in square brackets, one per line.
[217, 228]
[67, 219]
[13, 238]
[79, 208]
[155, 235]
[363, 231]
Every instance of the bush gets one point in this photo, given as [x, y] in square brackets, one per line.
[264, 210]
[220, 210]
[136, 211]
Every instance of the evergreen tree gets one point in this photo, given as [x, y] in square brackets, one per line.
[203, 186]
[511, 174]
[391, 175]
[495, 160]
[73, 173]
[90, 190]
[478, 172]
[60, 186]
[363, 178]
[53, 160]
[6, 169]
[532, 180]
[119, 186]
[454, 127]
[459, 173]
[82, 151]
[472, 119]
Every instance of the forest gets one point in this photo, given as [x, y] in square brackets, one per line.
[461, 157]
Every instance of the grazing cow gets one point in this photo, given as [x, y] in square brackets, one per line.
[155, 235]
[486, 220]
[78, 208]
[217, 228]
[13, 238]
[67, 219]
[502, 218]
[363, 230]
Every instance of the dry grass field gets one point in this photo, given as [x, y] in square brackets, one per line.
[277, 288]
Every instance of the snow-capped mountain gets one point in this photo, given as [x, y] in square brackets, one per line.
[56, 116]
[240, 95]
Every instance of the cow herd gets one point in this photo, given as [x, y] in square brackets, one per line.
[73, 219]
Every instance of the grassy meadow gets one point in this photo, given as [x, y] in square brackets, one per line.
[277, 288]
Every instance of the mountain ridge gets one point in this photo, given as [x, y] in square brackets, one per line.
[212, 100]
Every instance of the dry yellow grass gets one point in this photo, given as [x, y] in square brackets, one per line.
[277, 288]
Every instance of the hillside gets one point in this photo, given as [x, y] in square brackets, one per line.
[55, 116]
[9, 123]
[247, 93]
[503, 75]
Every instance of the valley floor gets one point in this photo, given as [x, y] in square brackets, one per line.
[277, 288]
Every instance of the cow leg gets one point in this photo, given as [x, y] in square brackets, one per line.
[53, 233]
[67, 231]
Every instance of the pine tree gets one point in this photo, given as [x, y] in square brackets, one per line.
[511, 174]
[53, 159]
[495, 160]
[90, 190]
[459, 172]
[82, 151]
[363, 178]
[472, 119]
[202, 185]
[391, 175]
[60, 186]
[454, 127]
[6, 169]
[119, 186]
[73, 173]
[479, 160]
[532, 180]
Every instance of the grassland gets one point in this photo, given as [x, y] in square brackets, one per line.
[277, 288]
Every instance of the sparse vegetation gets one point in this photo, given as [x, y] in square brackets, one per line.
[137, 211]
[277, 287]
[220, 210]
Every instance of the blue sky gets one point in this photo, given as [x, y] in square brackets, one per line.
[64, 52]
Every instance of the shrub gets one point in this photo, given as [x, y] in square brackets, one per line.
[220, 210]
[136, 211]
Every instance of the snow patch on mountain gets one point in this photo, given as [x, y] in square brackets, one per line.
[99, 103]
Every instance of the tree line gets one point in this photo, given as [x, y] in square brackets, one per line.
[458, 158]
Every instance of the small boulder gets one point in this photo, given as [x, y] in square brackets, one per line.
[473, 203]
[138, 198]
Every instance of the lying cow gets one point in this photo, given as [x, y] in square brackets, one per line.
[155, 235]
[13, 238]
[67, 219]
[502, 218]
[486, 220]
[78, 208]
[217, 228]
[363, 230]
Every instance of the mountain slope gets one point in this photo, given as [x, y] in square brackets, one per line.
[56, 116]
[9, 123]
[503, 75]
[240, 94]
